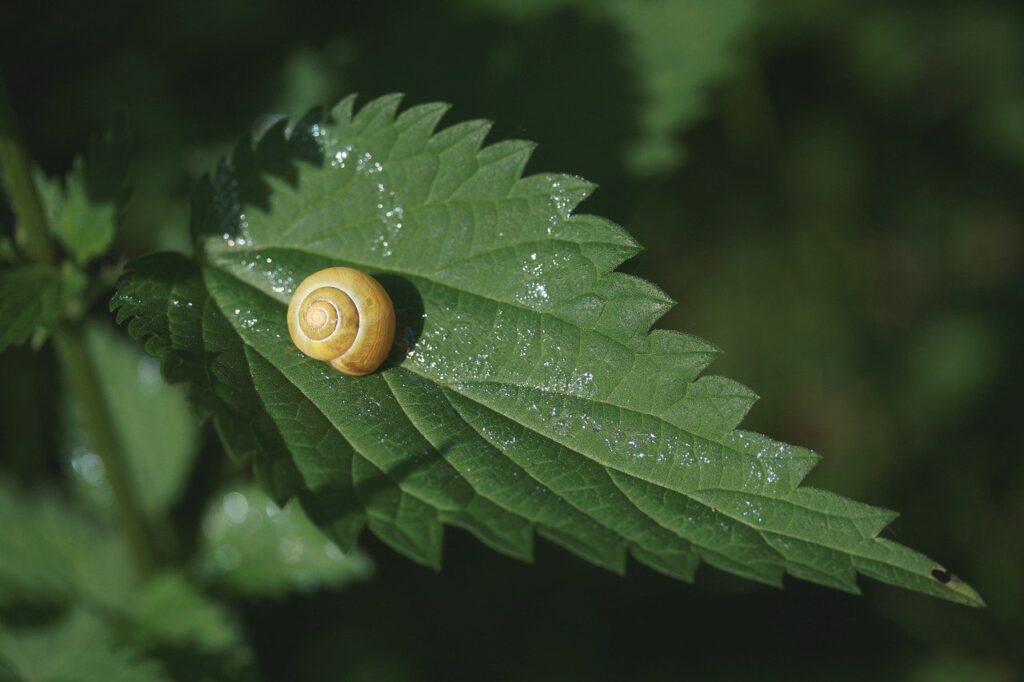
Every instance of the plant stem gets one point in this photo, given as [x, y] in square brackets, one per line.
[69, 340]
[33, 231]
[84, 382]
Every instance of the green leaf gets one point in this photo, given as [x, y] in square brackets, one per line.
[51, 552]
[8, 253]
[84, 214]
[525, 393]
[78, 648]
[680, 48]
[172, 611]
[8, 672]
[31, 299]
[152, 419]
[253, 547]
[193, 637]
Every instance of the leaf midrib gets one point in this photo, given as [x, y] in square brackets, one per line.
[454, 387]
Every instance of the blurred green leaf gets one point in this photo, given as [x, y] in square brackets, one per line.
[955, 67]
[310, 77]
[253, 547]
[168, 609]
[680, 49]
[51, 552]
[525, 393]
[952, 362]
[78, 648]
[8, 672]
[193, 637]
[31, 299]
[8, 254]
[85, 211]
[153, 419]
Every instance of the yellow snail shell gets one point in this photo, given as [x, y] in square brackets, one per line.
[345, 317]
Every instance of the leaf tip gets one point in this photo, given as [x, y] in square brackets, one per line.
[961, 591]
[342, 111]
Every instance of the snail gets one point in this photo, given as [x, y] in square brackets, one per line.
[345, 317]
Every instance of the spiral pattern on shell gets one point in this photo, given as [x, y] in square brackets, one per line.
[345, 317]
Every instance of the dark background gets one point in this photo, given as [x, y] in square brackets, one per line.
[844, 220]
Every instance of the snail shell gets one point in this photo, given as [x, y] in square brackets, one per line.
[345, 317]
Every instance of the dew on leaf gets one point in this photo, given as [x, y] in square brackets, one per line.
[562, 203]
[341, 157]
[752, 512]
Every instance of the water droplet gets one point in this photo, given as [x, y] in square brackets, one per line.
[236, 507]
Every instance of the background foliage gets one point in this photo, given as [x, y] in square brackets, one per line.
[836, 204]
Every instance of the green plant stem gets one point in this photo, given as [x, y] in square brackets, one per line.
[84, 382]
[69, 340]
[33, 232]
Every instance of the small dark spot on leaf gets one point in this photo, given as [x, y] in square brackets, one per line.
[943, 575]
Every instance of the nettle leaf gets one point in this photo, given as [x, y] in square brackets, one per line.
[31, 299]
[253, 547]
[524, 395]
[192, 636]
[680, 48]
[51, 552]
[85, 211]
[77, 648]
[54, 557]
